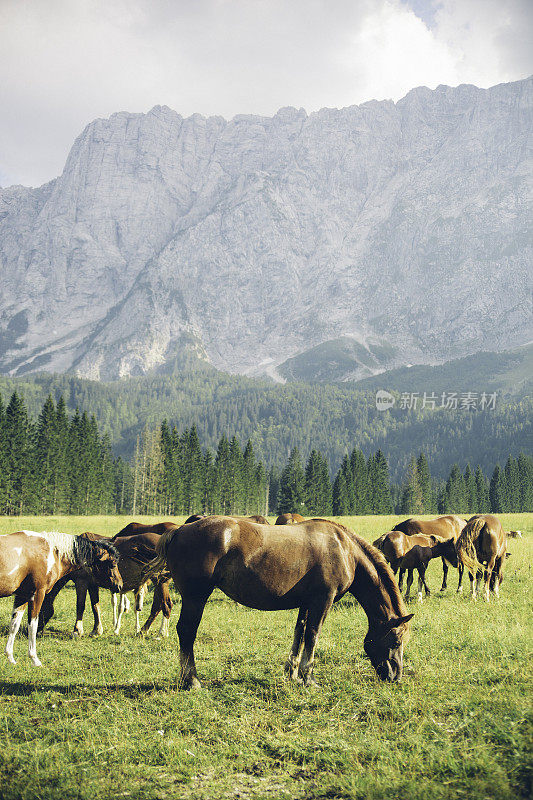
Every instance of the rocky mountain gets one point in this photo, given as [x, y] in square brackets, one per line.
[333, 244]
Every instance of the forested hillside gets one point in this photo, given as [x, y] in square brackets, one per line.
[276, 418]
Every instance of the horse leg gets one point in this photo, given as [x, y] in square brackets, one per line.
[47, 608]
[293, 661]
[161, 602]
[444, 575]
[192, 608]
[422, 578]
[139, 603]
[34, 608]
[400, 579]
[409, 584]
[81, 596]
[118, 609]
[316, 615]
[460, 569]
[16, 618]
[94, 594]
[488, 577]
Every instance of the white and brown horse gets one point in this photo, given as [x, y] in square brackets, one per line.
[31, 563]
[134, 552]
[309, 567]
[482, 548]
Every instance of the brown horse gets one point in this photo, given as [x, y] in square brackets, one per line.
[134, 553]
[395, 545]
[139, 527]
[254, 518]
[289, 519]
[30, 565]
[445, 527]
[482, 547]
[309, 567]
[418, 558]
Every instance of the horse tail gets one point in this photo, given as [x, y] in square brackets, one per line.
[159, 562]
[465, 545]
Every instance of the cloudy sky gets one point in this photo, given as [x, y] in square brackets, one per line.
[65, 62]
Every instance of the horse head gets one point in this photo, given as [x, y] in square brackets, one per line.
[384, 648]
[103, 566]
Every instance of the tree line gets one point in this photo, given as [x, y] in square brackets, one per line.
[62, 464]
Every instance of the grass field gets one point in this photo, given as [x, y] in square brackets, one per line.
[103, 718]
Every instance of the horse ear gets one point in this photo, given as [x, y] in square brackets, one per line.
[395, 622]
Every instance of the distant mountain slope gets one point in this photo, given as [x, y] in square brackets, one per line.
[402, 227]
[332, 418]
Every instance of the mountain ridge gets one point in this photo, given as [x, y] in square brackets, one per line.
[259, 239]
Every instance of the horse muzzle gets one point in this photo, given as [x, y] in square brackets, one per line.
[389, 671]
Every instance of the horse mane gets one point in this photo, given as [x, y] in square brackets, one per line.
[86, 551]
[384, 572]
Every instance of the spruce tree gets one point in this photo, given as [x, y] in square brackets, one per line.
[425, 484]
[340, 495]
[291, 497]
[18, 461]
[361, 486]
[525, 479]
[471, 504]
[497, 491]
[482, 493]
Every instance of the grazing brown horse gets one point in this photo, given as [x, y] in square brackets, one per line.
[309, 567]
[482, 547]
[133, 556]
[30, 565]
[254, 518]
[418, 558]
[445, 527]
[289, 519]
[258, 518]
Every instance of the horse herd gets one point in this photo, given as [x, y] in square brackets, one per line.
[297, 563]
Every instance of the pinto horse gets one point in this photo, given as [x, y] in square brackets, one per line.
[134, 552]
[309, 567]
[445, 527]
[482, 547]
[30, 565]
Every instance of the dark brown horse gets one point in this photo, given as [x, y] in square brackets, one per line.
[309, 567]
[418, 557]
[254, 518]
[448, 526]
[289, 519]
[482, 548]
[31, 563]
[395, 545]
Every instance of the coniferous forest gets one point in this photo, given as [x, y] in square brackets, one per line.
[61, 463]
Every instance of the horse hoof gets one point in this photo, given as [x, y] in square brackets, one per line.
[310, 683]
[99, 632]
[192, 685]
[11, 660]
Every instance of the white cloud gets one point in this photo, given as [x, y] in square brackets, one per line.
[65, 62]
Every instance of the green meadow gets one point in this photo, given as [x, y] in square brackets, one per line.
[104, 717]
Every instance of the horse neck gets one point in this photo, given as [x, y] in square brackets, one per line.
[371, 589]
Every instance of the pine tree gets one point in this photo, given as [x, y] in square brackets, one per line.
[378, 472]
[291, 498]
[424, 481]
[340, 495]
[471, 505]
[412, 499]
[361, 486]
[314, 489]
[18, 444]
[482, 493]
[497, 491]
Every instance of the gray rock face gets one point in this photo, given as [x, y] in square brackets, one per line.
[403, 227]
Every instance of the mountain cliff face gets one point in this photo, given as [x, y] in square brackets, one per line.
[371, 236]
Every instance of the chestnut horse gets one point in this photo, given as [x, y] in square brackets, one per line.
[140, 527]
[309, 567]
[30, 565]
[482, 547]
[445, 527]
[289, 519]
[254, 518]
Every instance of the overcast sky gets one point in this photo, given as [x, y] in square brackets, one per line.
[65, 62]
